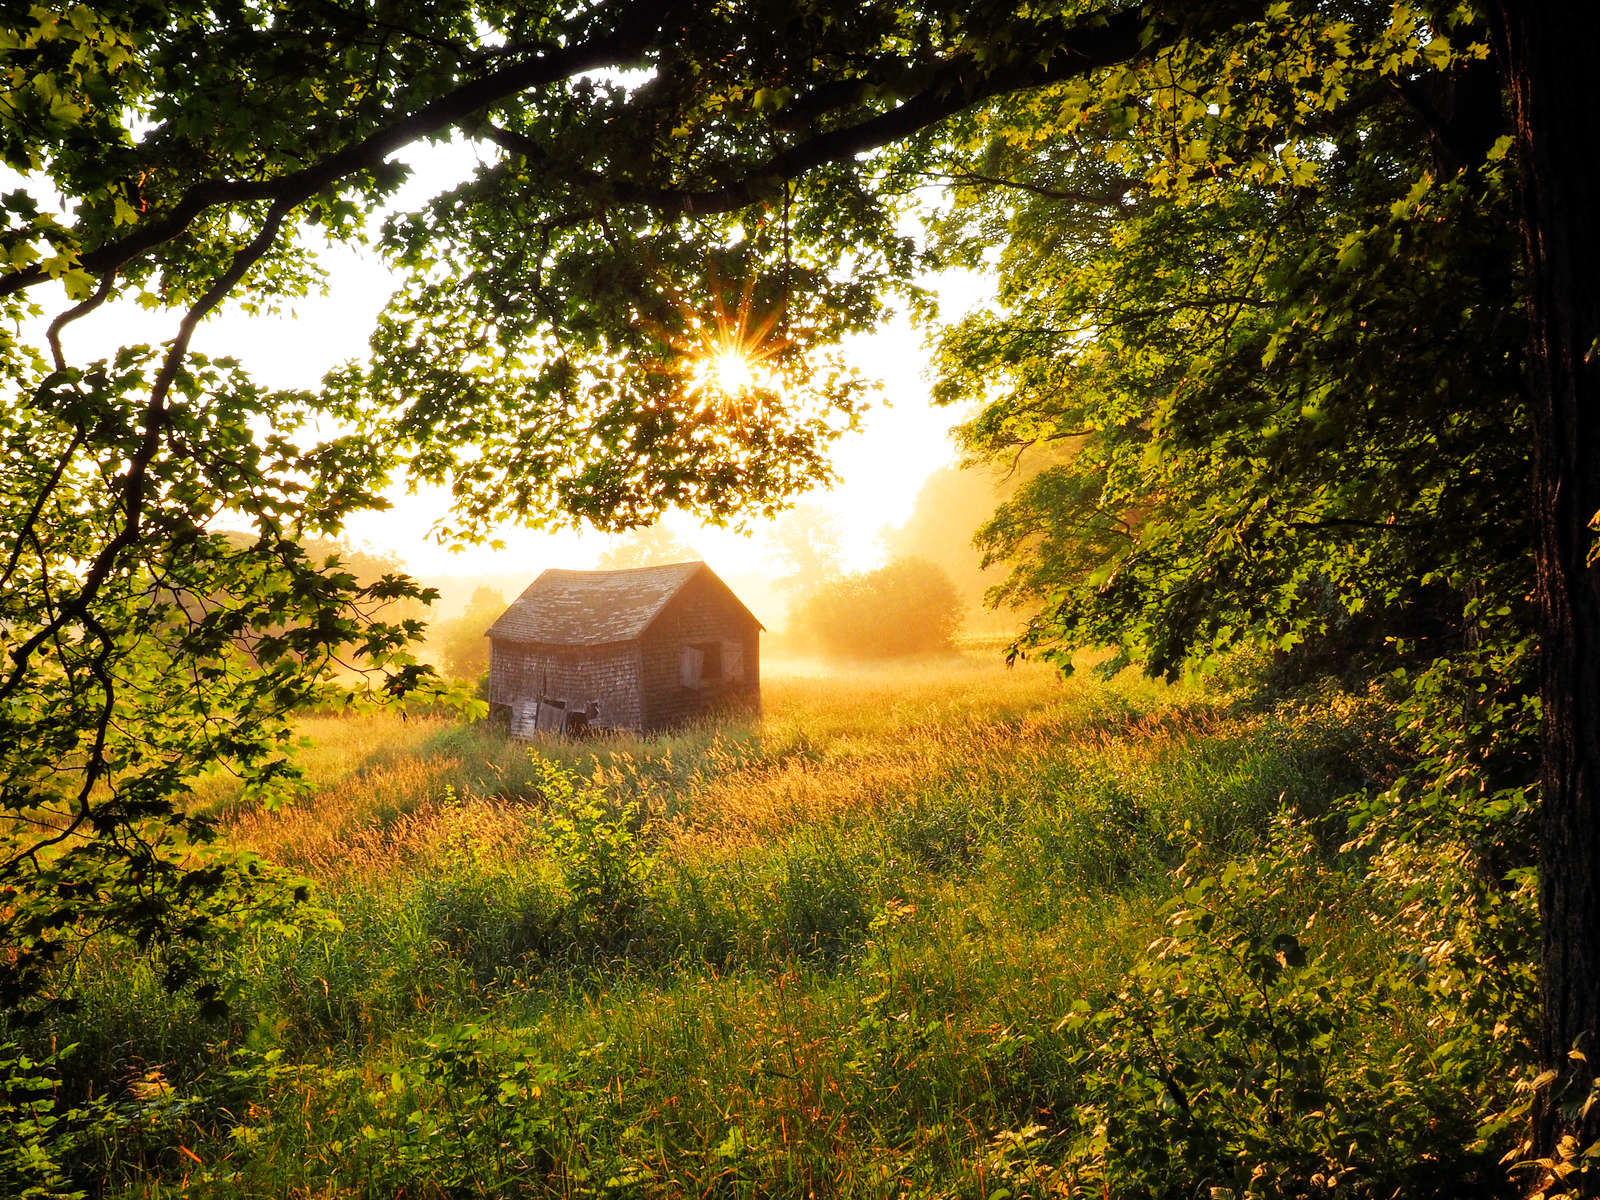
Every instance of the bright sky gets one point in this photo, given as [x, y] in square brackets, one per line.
[902, 438]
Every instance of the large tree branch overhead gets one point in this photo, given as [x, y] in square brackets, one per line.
[622, 47]
[1097, 40]
[956, 85]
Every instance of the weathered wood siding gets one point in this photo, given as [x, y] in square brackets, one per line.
[609, 674]
[703, 613]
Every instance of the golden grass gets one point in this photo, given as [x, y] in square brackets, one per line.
[831, 746]
[866, 912]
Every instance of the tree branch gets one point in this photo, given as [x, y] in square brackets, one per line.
[139, 463]
[53, 334]
[1102, 40]
[1112, 198]
[631, 38]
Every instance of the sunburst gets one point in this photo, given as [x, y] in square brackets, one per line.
[727, 371]
[731, 357]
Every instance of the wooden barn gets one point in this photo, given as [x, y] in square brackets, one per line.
[640, 649]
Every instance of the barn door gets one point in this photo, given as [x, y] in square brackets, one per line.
[691, 666]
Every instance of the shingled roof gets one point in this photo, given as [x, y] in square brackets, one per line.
[590, 608]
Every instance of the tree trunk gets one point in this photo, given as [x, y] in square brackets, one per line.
[1550, 49]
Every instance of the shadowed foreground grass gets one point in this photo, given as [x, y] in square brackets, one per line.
[836, 950]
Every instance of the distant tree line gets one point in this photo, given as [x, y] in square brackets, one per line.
[910, 606]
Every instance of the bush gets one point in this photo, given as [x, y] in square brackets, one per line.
[596, 843]
[35, 1133]
[1240, 1059]
[907, 607]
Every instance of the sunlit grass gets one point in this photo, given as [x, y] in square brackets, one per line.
[867, 911]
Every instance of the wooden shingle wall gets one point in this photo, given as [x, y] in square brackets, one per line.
[610, 675]
[703, 613]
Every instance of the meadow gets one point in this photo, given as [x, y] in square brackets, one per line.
[949, 930]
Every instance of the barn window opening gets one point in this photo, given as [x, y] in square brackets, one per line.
[700, 664]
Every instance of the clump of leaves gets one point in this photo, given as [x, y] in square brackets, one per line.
[470, 1110]
[599, 848]
[1240, 1058]
[37, 1128]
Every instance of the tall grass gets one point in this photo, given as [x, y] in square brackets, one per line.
[826, 951]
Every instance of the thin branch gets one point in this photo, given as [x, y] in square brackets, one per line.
[957, 85]
[53, 334]
[1112, 198]
[139, 464]
[39, 501]
[1355, 523]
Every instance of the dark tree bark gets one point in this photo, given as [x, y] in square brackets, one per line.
[1549, 53]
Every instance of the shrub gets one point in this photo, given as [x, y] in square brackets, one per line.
[597, 846]
[35, 1132]
[1240, 1060]
[907, 607]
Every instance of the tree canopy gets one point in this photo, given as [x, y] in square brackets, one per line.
[1279, 403]
[909, 606]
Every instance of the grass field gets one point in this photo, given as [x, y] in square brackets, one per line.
[920, 931]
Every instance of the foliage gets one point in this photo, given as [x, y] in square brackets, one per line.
[1260, 336]
[599, 848]
[130, 678]
[907, 607]
[846, 964]
[1239, 1059]
[38, 1133]
[463, 641]
[473, 1111]
[368, 567]
[1271, 384]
